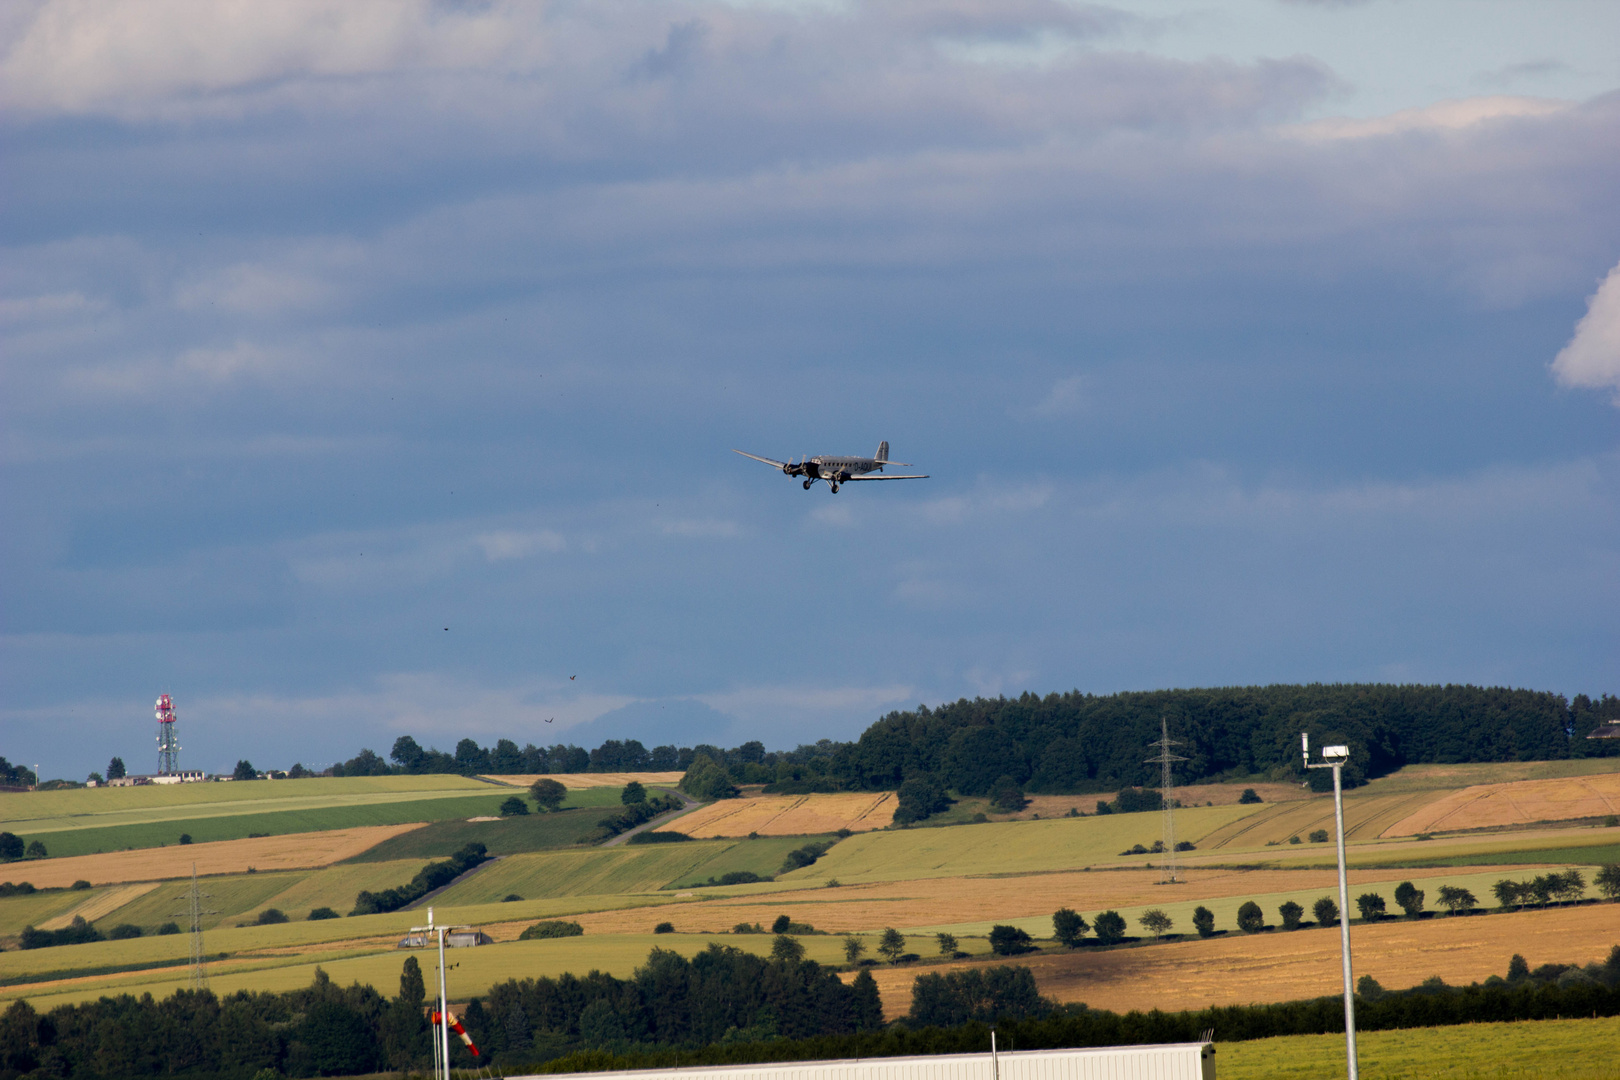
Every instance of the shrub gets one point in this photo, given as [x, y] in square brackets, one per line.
[168, 928]
[552, 928]
[1137, 800]
[1156, 922]
[548, 794]
[1186, 845]
[1325, 910]
[1294, 839]
[748, 928]
[1068, 926]
[511, 898]
[513, 806]
[270, 916]
[36, 850]
[75, 933]
[1010, 941]
[1204, 921]
[1110, 927]
[1249, 796]
[1319, 836]
[660, 836]
[1104, 808]
[185, 838]
[1371, 906]
[317, 914]
[123, 932]
[1409, 898]
[664, 928]
[1250, 919]
[1291, 914]
[80, 884]
[804, 856]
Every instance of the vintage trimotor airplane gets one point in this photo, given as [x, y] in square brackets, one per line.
[839, 470]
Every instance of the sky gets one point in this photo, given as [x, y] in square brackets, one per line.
[372, 367]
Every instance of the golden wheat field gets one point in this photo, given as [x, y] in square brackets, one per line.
[790, 815]
[1521, 802]
[1239, 969]
[102, 904]
[292, 851]
[578, 781]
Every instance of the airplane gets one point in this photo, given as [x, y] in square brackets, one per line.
[838, 470]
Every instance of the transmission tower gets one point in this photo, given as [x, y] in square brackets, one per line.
[1171, 873]
[195, 911]
[168, 740]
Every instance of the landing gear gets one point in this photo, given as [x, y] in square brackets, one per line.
[807, 484]
[834, 488]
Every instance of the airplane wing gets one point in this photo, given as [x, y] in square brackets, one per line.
[879, 476]
[766, 460]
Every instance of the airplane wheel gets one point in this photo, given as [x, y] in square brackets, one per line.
[835, 489]
[807, 485]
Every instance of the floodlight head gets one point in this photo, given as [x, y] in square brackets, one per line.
[1335, 752]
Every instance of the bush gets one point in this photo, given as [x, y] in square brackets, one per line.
[168, 928]
[1326, 911]
[660, 836]
[1250, 919]
[270, 916]
[317, 914]
[664, 928]
[512, 806]
[552, 928]
[80, 884]
[1371, 906]
[185, 838]
[1138, 800]
[1010, 941]
[1186, 845]
[1249, 796]
[804, 856]
[1291, 914]
[77, 932]
[1319, 836]
[1110, 927]
[123, 932]
[511, 898]
[433, 876]
[1204, 921]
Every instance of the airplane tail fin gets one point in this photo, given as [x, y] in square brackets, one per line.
[883, 451]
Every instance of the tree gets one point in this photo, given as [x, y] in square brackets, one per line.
[921, 796]
[1156, 922]
[1569, 888]
[786, 950]
[1007, 796]
[1068, 926]
[781, 925]
[1204, 921]
[891, 945]
[1509, 893]
[707, 779]
[412, 991]
[1518, 969]
[547, 793]
[1138, 800]
[1291, 914]
[408, 754]
[633, 794]
[1319, 836]
[244, 771]
[947, 944]
[1250, 919]
[512, 806]
[1110, 927]
[1249, 796]
[1608, 881]
[853, 947]
[115, 769]
[11, 847]
[1325, 910]
[36, 850]
[1456, 899]
[1010, 941]
[1371, 906]
[1409, 898]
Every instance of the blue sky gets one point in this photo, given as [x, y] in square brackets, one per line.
[1245, 342]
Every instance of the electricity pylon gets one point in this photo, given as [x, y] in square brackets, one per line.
[1170, 871]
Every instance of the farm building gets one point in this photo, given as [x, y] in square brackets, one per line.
[1169, 1061]
[460, 938]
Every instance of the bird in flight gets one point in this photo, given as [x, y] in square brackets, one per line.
[571, 678]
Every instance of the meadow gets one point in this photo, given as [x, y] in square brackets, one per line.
[1528, 1050]
[629, 869]
[588, 781]
[762, 857]
[504, 836]
[1517, 803]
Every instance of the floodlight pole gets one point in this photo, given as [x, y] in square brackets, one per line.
[444, 1006]
[1334, 758]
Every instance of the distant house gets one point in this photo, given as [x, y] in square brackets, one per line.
[1607, 731]
[464, 937]
[185, 776]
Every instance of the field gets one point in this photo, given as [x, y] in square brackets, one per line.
[628, 869]
[295, 851]
[762, 856]
[1241, 969]
[1529, 1050]
[503, 836]
[103, 902]
[789, 815]
[582, 781]
[1521, 802]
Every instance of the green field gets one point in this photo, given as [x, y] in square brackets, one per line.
[17, 912]
[1528, 1050]
[1004, 847]
[1594, 854]
[226, 898]
[508, 836]
[762, 856]
[600, 872]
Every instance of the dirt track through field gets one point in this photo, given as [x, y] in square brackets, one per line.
[1241, 969]
[292, 851]
[93, 909]
[789, 815]
[1519, 803]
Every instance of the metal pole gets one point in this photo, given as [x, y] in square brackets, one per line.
[1344, 931]
[995, 1062]
[444, 1010]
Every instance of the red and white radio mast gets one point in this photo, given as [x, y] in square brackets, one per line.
[167, 739]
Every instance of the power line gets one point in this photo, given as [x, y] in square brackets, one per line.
[1170, 871]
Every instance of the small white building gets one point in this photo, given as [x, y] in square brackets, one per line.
[185, 776]
[1167, 1061]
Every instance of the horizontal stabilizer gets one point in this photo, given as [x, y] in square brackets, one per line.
[875, 476]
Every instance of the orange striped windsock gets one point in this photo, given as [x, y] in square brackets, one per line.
[455, 1026]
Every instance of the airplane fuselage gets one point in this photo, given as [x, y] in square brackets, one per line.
[836, 469]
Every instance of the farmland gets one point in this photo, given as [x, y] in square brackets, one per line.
[586, 781]
[503, 836]
[1520, 802]
[789, 815]
[1523, 1051]
[582, 873]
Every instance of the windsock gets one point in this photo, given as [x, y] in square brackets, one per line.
[455, 1026]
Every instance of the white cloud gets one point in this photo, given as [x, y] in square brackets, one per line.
[1066, 398]
[513, 544]
[701, 529]
[1441, 116]
[1592, 357]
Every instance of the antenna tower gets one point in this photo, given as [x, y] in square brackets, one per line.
[168, 740]
[1171, 873]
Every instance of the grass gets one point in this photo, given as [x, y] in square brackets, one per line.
[1453, 777]
[1527, 1050]
[508, 836]
[225, 898]
[1004, 847]
[1593, 854]
[762, 856]
[600, 872]
[240, 824]
[17, 912]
